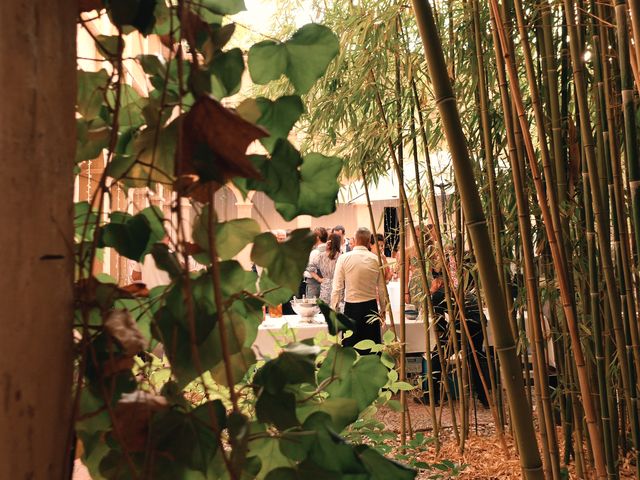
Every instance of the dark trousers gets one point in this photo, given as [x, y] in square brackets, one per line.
[362, 313]
[474, 326]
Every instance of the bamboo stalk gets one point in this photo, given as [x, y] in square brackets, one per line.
[556, 250]
[476, 224]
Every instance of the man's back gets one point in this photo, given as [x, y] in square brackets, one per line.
[356, 277]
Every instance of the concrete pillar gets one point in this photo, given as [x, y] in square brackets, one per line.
[37, 147]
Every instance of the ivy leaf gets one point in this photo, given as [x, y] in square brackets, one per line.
[280, 173]
[359, 378]
[91, 138]
[343, 411]
[224, 7]
[133, 236]
[231, 236]
[91, 89]
[153, 156]
[135, 13]
[267, 61]
[226, 73]
[166, 260]
[382, 468]
[303, 58]
[277, 408]
[284, 261]
[278, 117]
[240, 363]
[318, 188]
[336, 321]
[294, 365]
[272, 293]
[267, 449]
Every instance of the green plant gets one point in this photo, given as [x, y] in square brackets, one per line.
[207, 408]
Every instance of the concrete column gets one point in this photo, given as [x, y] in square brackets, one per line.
[37, 148]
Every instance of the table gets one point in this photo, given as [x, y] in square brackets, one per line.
[271, 333]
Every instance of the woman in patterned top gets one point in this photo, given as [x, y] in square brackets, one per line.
[324, 265]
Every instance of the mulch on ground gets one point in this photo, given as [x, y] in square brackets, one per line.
[483, 454]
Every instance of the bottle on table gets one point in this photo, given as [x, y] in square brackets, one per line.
[275, 311]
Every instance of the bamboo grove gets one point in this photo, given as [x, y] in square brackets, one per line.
[542, 142]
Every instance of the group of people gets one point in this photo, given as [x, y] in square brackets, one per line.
[346, 275]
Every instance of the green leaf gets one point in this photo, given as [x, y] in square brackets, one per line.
[277, 408]
[310, 50]
[188, 437]
[358, 378]
[154, 153]
[303, 58]
[239, 362]
[318, 188]
[280, 174]
[226, 73]
[91, 89]
[166, 259]
[382, 468]
[343, 411]
[268, 450]
[91, 138]
[231, 236]
[107, 45]
[267, 61]
[278, 117]
[336, 321]
[135, 13]
[133, 236]
[284, 261]
[224, 7]
[294, 365]
[84, 221]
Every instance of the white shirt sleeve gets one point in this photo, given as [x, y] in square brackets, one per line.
[337, 292]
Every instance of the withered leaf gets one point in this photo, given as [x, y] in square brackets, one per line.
[214, 143]
[121, 326]
[131, 418]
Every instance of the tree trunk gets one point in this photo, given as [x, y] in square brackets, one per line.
[37, 143]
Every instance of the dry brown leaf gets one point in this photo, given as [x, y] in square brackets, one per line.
[131, 418]
[122, 327]
[225, 133]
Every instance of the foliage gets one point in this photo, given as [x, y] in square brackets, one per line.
[207, 408]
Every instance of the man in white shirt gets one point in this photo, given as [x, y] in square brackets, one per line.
[358, 280]
[312, 285]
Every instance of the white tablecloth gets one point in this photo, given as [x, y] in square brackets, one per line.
[271, 333]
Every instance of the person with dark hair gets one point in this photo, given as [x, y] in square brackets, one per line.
[323, 266]
[358, 280]
[345, 246]
[312, 286]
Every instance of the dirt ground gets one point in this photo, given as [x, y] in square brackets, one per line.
[483, 454]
